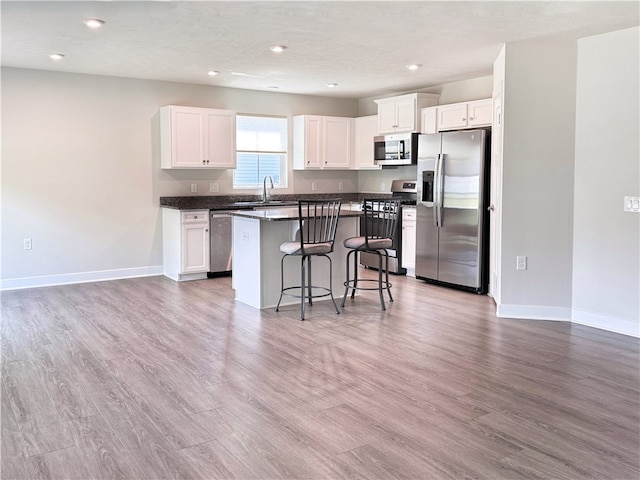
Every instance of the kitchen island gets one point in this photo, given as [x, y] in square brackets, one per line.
[257, 236]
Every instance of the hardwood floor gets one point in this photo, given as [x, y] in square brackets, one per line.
[147, 379]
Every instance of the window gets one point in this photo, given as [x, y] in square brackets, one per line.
[261, 150]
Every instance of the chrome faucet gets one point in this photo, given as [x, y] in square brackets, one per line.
[265, 194]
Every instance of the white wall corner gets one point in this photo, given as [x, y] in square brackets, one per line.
[80, 277]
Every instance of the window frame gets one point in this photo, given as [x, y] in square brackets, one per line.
[284, 162]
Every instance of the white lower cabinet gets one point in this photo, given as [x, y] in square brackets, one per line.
[185, 244]
[409, 240]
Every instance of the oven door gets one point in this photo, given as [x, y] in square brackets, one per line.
[370, 260]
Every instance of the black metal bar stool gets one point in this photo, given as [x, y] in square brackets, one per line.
[380, 223]
[318, 222]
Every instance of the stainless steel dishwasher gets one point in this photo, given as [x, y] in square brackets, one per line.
[220, 243]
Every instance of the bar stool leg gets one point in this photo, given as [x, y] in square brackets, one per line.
[309, 283]
[355, 273]
[302, 286]
[380, 280]
[331, 284]
[387, 276]
[281, 282]
[346, 283]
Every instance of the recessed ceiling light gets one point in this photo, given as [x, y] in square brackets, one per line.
[273, 87]
[332, 85]
[414, 66]
[56, 56]
[94, 22]
[213, 73]
[278, 48]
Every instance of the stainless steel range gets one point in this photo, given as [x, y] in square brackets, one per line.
[406, 191]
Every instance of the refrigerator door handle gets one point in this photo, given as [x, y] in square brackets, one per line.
[439, 183]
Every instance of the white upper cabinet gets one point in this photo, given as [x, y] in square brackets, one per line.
[464, 115]
[366, 128]
[321, 142]
[429, 122]
[480, 113]
[192, 137]
[402, 113]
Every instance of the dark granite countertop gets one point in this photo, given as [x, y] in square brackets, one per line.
[285, 214]
[246, 202]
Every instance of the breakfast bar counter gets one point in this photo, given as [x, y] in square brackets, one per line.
[257, 236]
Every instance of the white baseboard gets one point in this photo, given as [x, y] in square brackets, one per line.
[534, 312]
[80, 277]
[562, 314]
[606, 322]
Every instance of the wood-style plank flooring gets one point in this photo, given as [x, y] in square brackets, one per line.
[148, 379]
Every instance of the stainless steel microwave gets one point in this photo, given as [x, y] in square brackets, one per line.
[396, 149]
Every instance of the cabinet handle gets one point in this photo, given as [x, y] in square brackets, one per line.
[195, 216]
[470, 118]
[463, 119]
[206, 230]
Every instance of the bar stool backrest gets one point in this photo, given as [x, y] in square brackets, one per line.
[318, 222]
[380, 217]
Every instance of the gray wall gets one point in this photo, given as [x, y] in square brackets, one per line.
[606, 240]
[570, 154]
[537, 178]
[81, 173]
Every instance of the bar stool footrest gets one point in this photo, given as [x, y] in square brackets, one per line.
[351, 284]
[299, 295]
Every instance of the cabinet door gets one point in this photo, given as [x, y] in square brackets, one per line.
[480, 113]
[387, 117]
[187, 126]
[195, 248]
[406, 115]
[453, 116]
[408, 237]
[336, 142]
[313, 141]
[365, 129]
[220, 138]
[429, 119]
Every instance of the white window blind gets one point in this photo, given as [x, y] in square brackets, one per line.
[261, 150]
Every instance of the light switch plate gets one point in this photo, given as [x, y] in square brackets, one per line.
[632, 204]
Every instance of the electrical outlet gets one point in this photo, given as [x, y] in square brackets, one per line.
[383, 187]
[27, 244]
[340, 185]
[314, 186]
[194, 187]
[521, 263]
[214, 187]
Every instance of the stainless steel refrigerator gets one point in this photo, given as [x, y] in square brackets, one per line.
[452, 217]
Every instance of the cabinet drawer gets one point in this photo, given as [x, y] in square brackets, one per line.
[199, 216]
[408, 214]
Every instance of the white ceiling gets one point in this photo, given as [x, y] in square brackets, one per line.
[362, 46]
